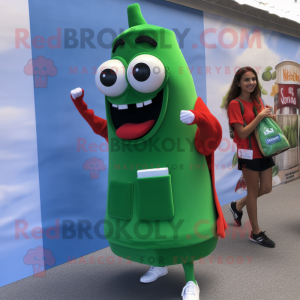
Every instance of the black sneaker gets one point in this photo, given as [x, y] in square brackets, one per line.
[262, 239]
[237, 215]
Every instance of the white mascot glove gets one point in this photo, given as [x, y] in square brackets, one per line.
[76, 93]
[187, 117]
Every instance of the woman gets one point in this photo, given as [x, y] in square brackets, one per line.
[256, 169]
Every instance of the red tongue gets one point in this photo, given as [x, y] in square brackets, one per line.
[131, 131]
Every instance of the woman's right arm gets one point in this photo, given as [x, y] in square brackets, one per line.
[244, 132]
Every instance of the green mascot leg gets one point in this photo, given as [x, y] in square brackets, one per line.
[189, 272]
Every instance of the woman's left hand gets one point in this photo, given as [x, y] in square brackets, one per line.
[273, 116]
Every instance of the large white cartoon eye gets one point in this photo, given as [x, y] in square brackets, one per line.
[146, 73]
[110, 78]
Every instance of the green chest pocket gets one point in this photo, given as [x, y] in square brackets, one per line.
[120, 195]
[155, 198]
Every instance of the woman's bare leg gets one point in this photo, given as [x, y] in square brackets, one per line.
[265, 187]
[241, 203]
[265, 182]
[252, 181]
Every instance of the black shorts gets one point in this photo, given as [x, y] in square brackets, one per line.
[256, 164]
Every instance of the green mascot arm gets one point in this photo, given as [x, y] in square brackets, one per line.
[98, 124]
[209, 132]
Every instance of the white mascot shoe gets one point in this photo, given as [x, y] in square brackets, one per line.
[191, 291]
[153, 273]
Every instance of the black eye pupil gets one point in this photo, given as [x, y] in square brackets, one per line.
[108, 77]
[141, 72]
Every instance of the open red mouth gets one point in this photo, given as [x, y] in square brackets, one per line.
[131, 131]
[133, 121]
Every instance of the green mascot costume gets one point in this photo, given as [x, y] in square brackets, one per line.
[162, 205]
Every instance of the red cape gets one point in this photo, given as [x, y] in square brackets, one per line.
[207, 139]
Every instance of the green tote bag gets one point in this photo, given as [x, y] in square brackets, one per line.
[270, 138]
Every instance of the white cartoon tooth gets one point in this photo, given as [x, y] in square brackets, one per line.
[114, 105]
[123, 106]
[148, 102]
[138, 105]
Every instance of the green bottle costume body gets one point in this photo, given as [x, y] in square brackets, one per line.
[190, 192]
[169, 219]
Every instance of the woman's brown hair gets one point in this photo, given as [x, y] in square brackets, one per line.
[235, 90]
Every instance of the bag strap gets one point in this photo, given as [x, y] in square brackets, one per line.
[241, 106]
[255, 111]
[245, 124]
